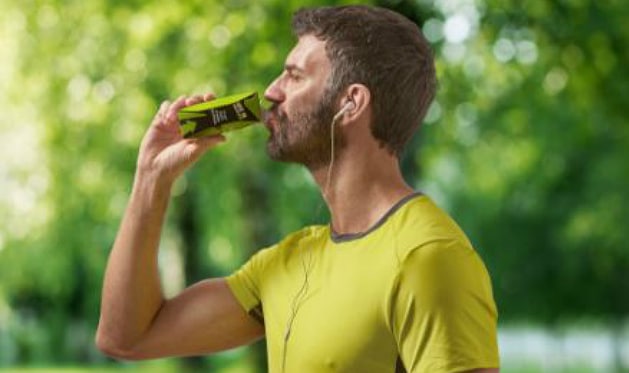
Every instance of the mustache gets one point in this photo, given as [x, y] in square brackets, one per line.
[274, 112]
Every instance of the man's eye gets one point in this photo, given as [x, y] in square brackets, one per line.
[293, 76]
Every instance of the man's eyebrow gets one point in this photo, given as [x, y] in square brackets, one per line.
[292, 67]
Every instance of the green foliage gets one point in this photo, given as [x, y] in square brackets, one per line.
[526, 145]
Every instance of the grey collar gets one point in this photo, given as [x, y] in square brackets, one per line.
[345, 237]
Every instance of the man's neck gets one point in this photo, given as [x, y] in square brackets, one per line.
[362, 189]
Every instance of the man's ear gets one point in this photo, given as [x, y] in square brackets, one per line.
[355, 103]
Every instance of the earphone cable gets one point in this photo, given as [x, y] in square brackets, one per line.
[301, 294]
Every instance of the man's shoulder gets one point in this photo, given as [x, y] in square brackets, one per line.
[308, 233]
[269, 257]
[299, 238]
[423, 223]
[423, 212]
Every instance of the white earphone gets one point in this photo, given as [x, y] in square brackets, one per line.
[347, 107]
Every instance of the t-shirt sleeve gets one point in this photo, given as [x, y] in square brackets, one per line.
[443, 315]
[245, 283]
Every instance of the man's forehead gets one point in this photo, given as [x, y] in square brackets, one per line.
[308, 54]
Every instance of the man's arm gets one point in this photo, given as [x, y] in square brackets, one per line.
[136, 321]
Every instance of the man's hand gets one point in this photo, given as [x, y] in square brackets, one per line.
[164, 153]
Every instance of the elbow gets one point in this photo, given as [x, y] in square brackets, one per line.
[115, 348]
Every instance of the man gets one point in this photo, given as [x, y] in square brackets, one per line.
[391, 284]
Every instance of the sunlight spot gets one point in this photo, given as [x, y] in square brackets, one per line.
[474, 66]
[466, 113]
[504, 50]
[90, 174]
[220, 36]
[454, 52]
[195, 28]
[447, 170]
[467, 131]
[237, 23]
[171, 265]
[135, 60]
[104, 91]
[434, 113]
[433, 30]
[220, 251]
[555, 80]
[456, 28]
[79, 87]
[526, 52]
[141, 25]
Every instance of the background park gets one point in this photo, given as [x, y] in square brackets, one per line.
[526, 145]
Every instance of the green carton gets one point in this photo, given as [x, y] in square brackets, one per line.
[220, 115]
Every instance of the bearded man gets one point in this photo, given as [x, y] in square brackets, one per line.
[391, 284]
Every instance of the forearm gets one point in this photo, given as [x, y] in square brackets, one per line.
[132, 293]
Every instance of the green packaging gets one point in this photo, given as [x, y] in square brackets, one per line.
[220, 115]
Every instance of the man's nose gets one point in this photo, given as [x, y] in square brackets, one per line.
[274, 92]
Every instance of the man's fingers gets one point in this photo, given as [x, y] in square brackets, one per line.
[208, 96]
[199, 98]
[167, 113]
[210, 141]
[171, 115]
[202, 144]
[193, 149]
[159, 117]
[194, 100]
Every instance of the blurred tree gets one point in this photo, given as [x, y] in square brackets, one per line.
[526, 145]
[531, 149]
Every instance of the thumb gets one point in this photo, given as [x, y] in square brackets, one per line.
[195, 148]
[210, 141]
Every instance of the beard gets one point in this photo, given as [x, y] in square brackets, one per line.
[305, 137]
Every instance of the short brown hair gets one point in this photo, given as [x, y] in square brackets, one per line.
[384, 51]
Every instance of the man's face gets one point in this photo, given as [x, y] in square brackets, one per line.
[302, 111]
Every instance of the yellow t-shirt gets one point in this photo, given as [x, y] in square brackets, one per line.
[410, 291]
